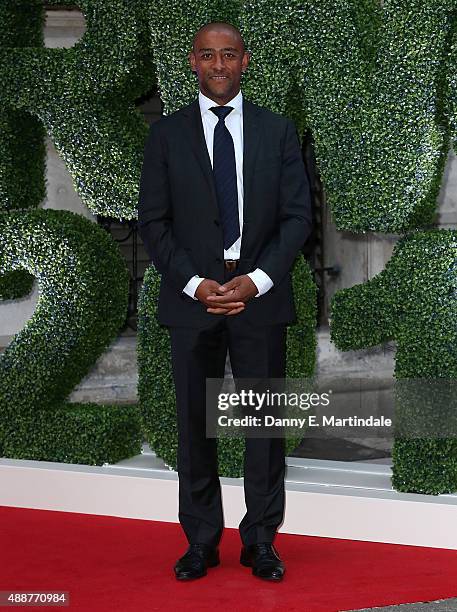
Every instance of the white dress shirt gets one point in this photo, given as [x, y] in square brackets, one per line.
[234, 123]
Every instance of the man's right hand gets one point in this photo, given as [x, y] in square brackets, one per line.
[211, 287]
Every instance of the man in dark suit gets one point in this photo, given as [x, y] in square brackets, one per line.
[224, 210]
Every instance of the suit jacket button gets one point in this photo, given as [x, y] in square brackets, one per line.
[216, 222]
[218, 259]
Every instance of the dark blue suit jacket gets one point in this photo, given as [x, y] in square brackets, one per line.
[178, 217]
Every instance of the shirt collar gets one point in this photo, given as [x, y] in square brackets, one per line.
[206, 103]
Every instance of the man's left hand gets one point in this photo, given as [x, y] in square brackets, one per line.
[239, 289]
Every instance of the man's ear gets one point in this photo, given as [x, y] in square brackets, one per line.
[246, 60]
[191, 58]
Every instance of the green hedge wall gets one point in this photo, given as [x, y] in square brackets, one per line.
[82, 302]
[352, 82]
[84, 96]
[22, 153]
[413, 301]
[372, 87]
[376, 85]
[452, 83]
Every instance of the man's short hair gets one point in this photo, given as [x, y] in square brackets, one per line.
[218, 25]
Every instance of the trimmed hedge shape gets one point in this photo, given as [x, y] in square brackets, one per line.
[155, 385]
[373, 87]
[413, 301]
[83, 285]
[353, 83]
[22, 152]
[452, 84]
[84, 96]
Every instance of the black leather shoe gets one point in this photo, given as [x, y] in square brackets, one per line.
[195, 561]
[264, 560]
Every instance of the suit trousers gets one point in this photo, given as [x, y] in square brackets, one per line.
[200, 353]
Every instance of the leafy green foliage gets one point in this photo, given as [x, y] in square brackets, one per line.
[412, 301]
[83, 285]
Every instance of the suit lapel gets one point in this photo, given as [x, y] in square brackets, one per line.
[251, 137]
[198, 144]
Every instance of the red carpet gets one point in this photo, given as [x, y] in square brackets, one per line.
[114, 564]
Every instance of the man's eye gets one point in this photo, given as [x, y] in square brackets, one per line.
[206, 55]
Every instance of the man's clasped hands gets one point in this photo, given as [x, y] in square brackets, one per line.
[228, 299]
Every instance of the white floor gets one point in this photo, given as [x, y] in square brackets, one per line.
[335, 499]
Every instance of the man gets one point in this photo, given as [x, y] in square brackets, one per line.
[224, 209]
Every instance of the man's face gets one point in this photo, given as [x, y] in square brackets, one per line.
[219, 60]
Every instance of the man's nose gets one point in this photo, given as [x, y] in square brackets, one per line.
[219, 62]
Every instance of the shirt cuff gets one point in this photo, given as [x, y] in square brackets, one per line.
[192, 285]
[261, 280]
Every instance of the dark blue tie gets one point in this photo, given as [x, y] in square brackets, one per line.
[224, 170]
